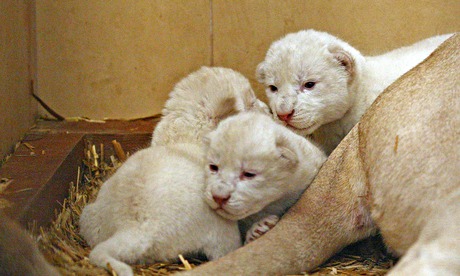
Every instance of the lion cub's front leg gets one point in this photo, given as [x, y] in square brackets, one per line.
[261, 227]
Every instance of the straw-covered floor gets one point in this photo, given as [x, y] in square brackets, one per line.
[65, 249]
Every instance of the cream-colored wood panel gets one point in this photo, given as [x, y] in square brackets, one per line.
[17, 108]
[117, 59]
[243, 30]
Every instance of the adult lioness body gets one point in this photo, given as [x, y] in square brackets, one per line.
[396, 171]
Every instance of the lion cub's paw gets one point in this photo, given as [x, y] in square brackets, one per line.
[261, 227]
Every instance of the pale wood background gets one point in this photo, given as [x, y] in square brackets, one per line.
[18, 110]
[120, 59]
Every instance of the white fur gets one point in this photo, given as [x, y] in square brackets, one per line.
[283, 164]
[346, 82]
[152, 208]
[261, 227]
[199, 102]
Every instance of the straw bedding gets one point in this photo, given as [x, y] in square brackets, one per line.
[65, 249]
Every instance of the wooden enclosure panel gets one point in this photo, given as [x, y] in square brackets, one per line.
[243, 30]
[17, 108]
[142, 126]
[117, 59]
[41, 180]
[40, 172]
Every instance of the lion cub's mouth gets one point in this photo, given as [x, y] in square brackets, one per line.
[223, 213]
[228, 215]
[309, 128]
[291, 125]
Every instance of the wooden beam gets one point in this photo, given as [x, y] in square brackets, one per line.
[47, 160]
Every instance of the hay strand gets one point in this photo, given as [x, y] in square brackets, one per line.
[119, 151]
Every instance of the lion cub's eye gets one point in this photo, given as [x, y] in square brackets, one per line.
[248, 174]
[273, 88]
[213, 168]
[309, 84]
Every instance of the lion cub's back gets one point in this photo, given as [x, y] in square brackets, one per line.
[153, 185]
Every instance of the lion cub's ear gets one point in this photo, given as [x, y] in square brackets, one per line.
[344, 58]
[207, 139]
[286, 150]
[225, 108]
[260, 72]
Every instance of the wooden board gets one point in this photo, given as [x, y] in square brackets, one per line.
[47, 161]
[117, 59]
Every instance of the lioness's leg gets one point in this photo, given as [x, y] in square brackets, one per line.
[430, 258]
[437, 250]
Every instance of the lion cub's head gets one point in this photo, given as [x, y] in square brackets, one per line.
[306, 75]
[250, 164]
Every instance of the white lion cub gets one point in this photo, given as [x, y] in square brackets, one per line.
[257, 170]
[319, 85]
[152, 208]
[199, 103]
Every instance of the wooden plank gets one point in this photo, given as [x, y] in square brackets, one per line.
[109, 127]
[40, 209]
[37, 180]
[41, 180]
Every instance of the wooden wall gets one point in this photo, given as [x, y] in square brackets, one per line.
[17, 108]
[117, 59]
[120, 59]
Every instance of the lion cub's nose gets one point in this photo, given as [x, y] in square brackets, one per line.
[286, 117]
[221, 200]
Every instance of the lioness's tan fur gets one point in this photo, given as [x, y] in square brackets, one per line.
[396, 171]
